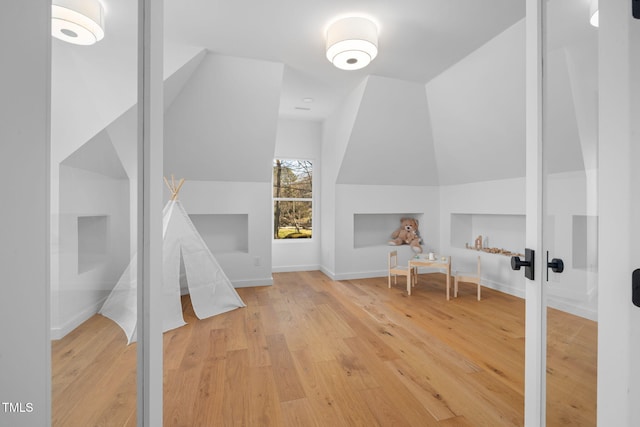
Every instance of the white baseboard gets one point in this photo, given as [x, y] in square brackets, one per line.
[81, 317]
[252, 283]
[574, 309]
[361, 275]
[287, 269]
[504, 288]
[330, 274]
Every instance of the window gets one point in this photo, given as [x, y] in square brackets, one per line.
[292, 199]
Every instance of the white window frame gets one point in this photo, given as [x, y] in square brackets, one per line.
[294, 199]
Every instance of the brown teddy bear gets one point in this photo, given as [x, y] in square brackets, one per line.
[407, 234]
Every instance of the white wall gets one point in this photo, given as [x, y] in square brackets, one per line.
[390, 142]
[94, 92]
[220, 134]
[92, 180]
[575, 290]
[477, 110]
[25, 355]
[81, 290]
[567, 201]
[501, 197]
[251, 268]
[300, 139]
[335, 138]
[222, 125]
[371, 261]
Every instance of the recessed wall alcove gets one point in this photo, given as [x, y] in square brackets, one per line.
[93, 239]
[374, 229]
[223, 233]
[585, 242]
[502, 231]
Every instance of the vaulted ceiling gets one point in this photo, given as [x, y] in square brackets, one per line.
[446, 90]
[418, 39]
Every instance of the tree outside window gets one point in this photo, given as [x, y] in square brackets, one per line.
[292, 199]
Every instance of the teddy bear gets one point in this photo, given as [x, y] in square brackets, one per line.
[407, 234]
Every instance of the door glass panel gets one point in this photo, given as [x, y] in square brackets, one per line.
[570, 216]
[94, 221]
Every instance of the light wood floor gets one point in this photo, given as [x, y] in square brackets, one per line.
[309, 351]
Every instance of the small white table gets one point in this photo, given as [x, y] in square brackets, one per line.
[442, 262]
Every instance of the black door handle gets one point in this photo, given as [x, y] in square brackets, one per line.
[517, 263]
[528, 263]
[635, 287]
[556, 265]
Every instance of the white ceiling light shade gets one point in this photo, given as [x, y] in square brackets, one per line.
[352, 43]
[594, 13]
[77, 21]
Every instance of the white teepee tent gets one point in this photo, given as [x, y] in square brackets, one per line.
[211, 291]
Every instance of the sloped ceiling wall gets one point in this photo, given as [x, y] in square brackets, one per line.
[92, 88]
[561, 126]
[478, 112]
[180, 64]
[391, 141]
[336, 131]
[582, 62]
[97, 155]
[222, 125]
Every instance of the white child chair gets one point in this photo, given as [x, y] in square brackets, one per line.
[395, 270]
[468, 278]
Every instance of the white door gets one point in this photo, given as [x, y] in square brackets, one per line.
[582, 152]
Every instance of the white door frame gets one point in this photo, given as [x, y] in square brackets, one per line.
[535, 317]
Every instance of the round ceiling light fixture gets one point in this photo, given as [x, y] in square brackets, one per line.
[352, 43]
[77, 21]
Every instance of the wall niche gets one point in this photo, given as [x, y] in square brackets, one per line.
[93, 239]
[585, 242]
[374, 229]
[223, 233]
[498, 231]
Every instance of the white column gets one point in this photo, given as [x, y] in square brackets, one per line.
[150, 184]
[25, 349]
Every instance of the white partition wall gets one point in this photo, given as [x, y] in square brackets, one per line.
[619, 203]
[24, 261]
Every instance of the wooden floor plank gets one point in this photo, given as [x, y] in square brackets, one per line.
[256, 339]
[286, 376]
[235, 406]
[296, 413]
[207, 406]
[264, 405]
[433, 400]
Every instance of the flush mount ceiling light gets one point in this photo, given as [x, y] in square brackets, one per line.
[352, 43]
[77, 21]
[594, 13]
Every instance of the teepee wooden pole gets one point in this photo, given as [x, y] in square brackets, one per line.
[179, 187]
[173, 188]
